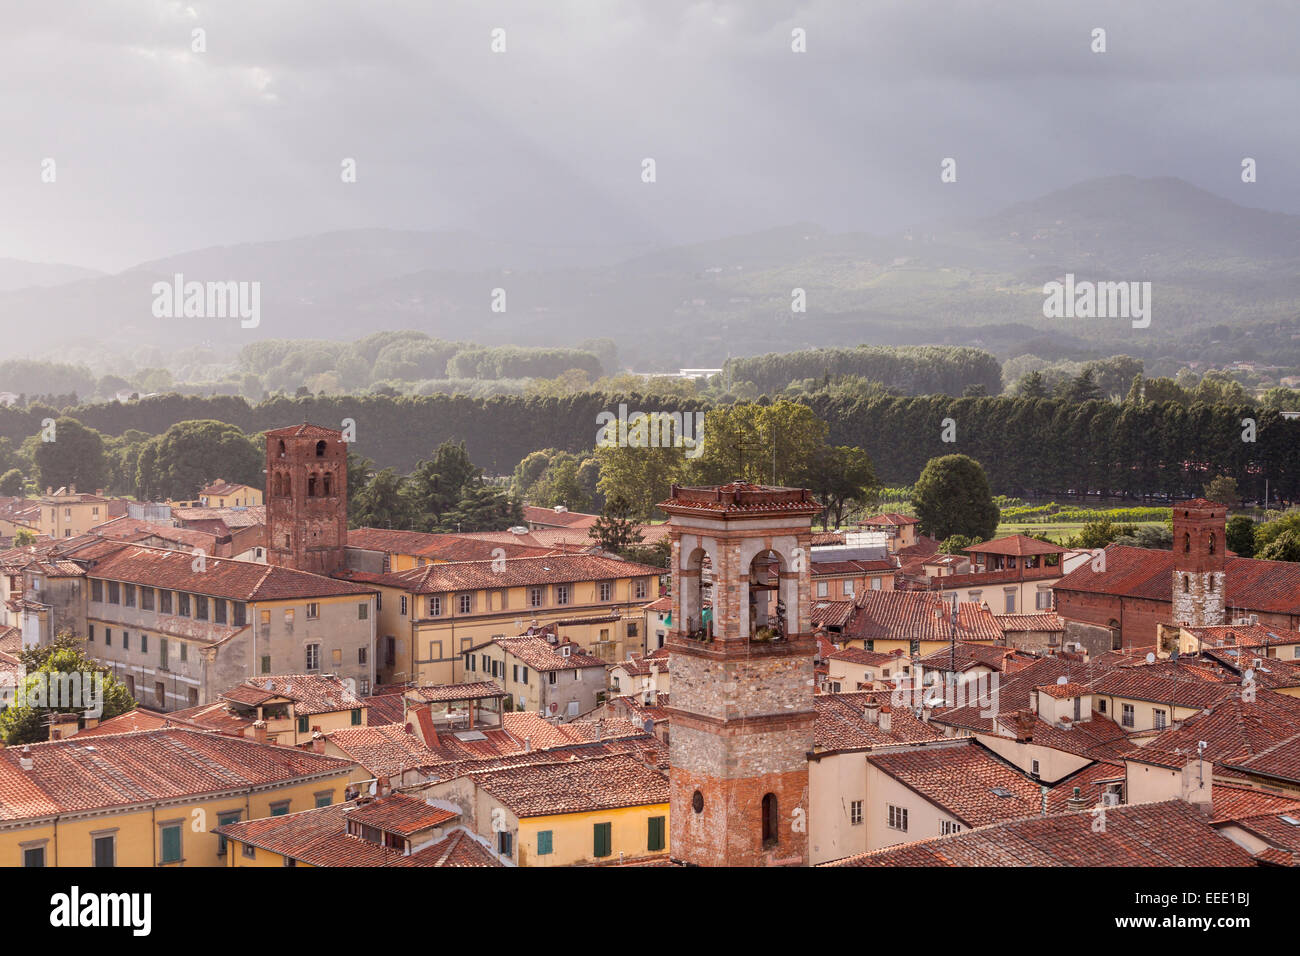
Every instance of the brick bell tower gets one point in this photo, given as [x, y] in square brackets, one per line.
[306, 498]
[741, 653]
[1199, 581]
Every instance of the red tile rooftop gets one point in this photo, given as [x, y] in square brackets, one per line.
[601, 783]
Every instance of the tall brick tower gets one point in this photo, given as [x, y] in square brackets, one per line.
[742, 698]
[306, 498]
[1198, 585]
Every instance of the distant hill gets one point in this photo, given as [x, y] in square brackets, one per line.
[1225, 277]
[17, 274]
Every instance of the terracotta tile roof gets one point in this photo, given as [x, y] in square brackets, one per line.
[1097, 738]
[1232, 730]
[1018, 545]
[822, 538]
[601, 783]
[437, 547]
[1238, 803]
[384, 708]
[217, 716]
[305, 430]
[640, 665]
[1013, 690]
[544, 735]
[11, 639]
[1137, 683]
[1064, 691]
[541, 655]
[1151, 834]
[114, 770]
[740, 498]
[964, 657]
[1018, 623]
[385, 749]
[831, 613]
[965, 781]
[542, 540]
[640, 711]
[840, 725]
[915, 615]
[398, 813]
[1244, 635]
[889, 519]
[136, 719]
[1092, 782]
[855, 655]
[659, 605]
[565, 519]
[518, 572]
[319, 838]
[1281, 761]
[310, 693]
[224, 578]
[1251, 584]
[849, 567]
[443, 693]
[978, 578]
[223, 487]
[231, 517]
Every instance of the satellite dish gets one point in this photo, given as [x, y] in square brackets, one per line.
[374, 787]
[1063, 679]
[1151, 658]
[1248, 676]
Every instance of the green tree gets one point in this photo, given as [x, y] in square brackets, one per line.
[952, 496]
[74, 457]
[1098, 534]
[24, 538]
[47, 667]
[615, 529]
[438, 484]
[957, 543]
[482, 507]
[180, 461]
[1285, 547]
[1223, 489]
[383, 502]
[839, 476]
[1241, 535]
[11, 483]
[1031, 385]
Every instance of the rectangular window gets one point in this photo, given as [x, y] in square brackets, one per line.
[435, 606]
[848, 587]
[249, 851]
[602, 840]
[185, 652]
[655, 838]
[90, 633]
[855, 812]
[266, 663]
[1011, 601]
[302, 725]
[108, 637]
[313, 657]
[324, 799]
[97, 590]
[114, 593]
[822, 588]
[162, 652]
[105, 850]
[641, 588]
[403, 605]
[280, 809]
[514, 673]
[171, 843]
[550, 678]
[336, 656]
[146, 599]
[1160, 718]
[466, 603]
[34, 856]
[534, 597]
[313, 611]
[505, 843]
[356, 717]
[362, 655]
[160, 695]
[1043, 600]
[897, 818]
[525, 673]
[545, 842]
[363, 611]
[948, 827]
[126, 640]
[1127, 715]
[183, 599]
[289, 615]
[219, 611]
[144, 643]
[128, 595]
[875, 584]
[605, 590]
[631, 629]
[165, 602]
[241, 613]
[222, 819]
[561, 594]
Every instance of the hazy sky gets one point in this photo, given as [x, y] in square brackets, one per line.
[159, 149]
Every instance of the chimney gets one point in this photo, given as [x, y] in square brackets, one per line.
[1076, 800]
[63, 726]
[99, 492]
[886, 719]
[528, 745]
[871, 712]
[72, 489]
[1033, 699]
[1196, 786]
[25, 760]
[1025, 725]
[318, 743]
[382, 786]
[425, 729]
[600, 728]
[259, 731]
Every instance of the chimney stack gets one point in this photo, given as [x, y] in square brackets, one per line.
[528, 745]
[871, 712]
[259, 731]
[382, 786]
[25, 760]
[1076, 800]
[886, 719]
[318, 743]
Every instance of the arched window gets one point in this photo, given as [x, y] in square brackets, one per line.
[311, 486]
[1187, 541]
[1211, 542]
[281, 447]
[770, 823]
[329, 484]
[320, 448]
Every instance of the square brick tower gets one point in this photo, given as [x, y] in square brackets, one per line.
[741, 653]
[1199, 582]
[306, 498]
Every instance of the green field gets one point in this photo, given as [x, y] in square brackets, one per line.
[1060, 531]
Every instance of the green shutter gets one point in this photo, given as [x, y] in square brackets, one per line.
[171, 844]
[603, 842]
[544, 843]
[656, 839]
[302, 725]
[324, 800]
[356, 717]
